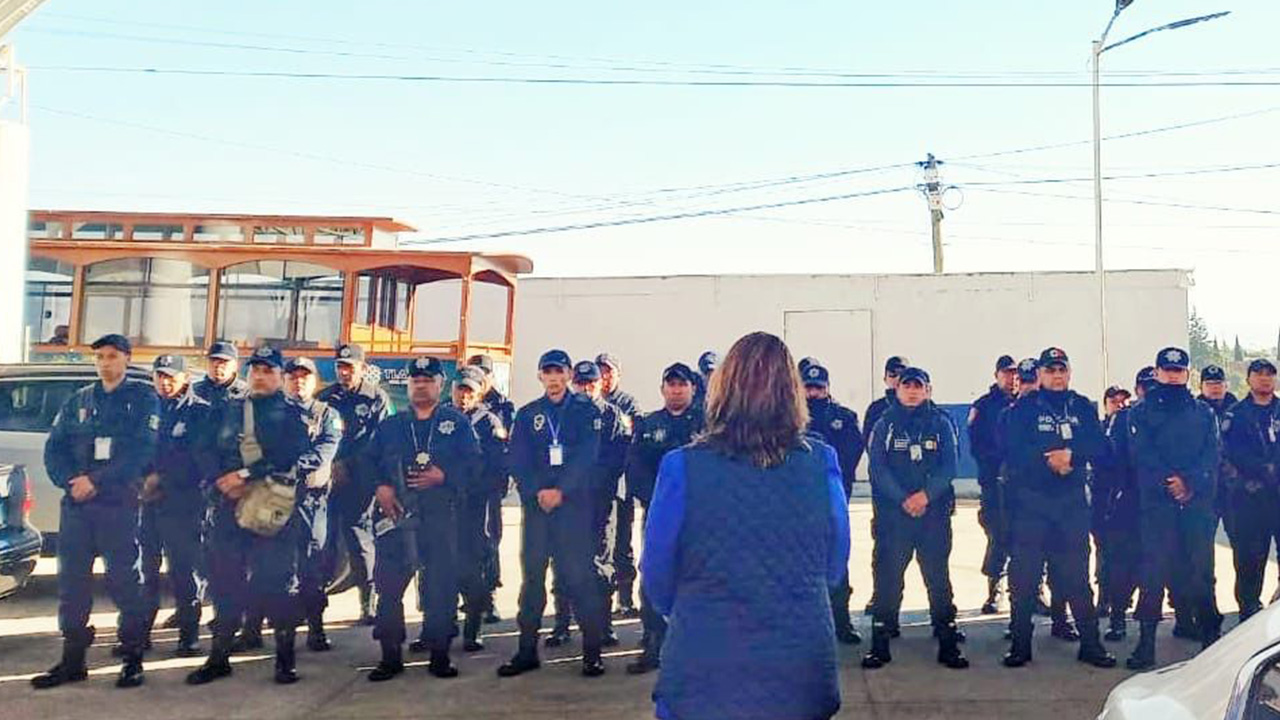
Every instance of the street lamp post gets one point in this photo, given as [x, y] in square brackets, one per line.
[1100, 46]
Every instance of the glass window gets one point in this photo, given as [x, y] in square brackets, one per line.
[162, 233]
[287, 304]
[339, 236]
[97, 231]
[31, 405]
[1265, 703]
[41, 230]
[488, 321]
[152, 301]
[219, 233]
[48, 310]
[280, 235]
[439, 305]
[366, 299]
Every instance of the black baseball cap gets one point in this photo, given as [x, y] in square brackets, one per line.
[609, 360]
[1173, 358]
[678, 371]
[895, 365]
[1115, 390]
[1006, 362]
[425, 367]
[169, 365]
[708, 362]
[1213, 373]
[816, 376]
[349, 354]
[1054, 356]
[1262, 365]
[586, 371]
[1028, 370]
[267, 355]
[1146, 377]
[805, 362]
[115, 340]
[223, 350]
[555, 358]
[913, 374]
[484, 362]
[301, 363]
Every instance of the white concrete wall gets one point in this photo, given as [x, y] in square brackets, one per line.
[953, 325]
[15, 146]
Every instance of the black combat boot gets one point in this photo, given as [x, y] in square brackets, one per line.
[391, 664]
[1210, 628]
[72, 667]
[317, 639]
[845, 632]
[1184, 626]
[218, 665]
[366, 605]
[1144, 655]
[131, 671]
[992, 605]
[949, 649]
[525, 659]
[471, 632]
[649, 657]
[250, 637]
[1091, 651]
[1116, 631]
[286, 657]
[879, 655]
[440, 665]
[592, 663]
[627, 609]
[560, 634]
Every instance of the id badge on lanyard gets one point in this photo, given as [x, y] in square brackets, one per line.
[555, 451]
[1064, 430]
[102, 448]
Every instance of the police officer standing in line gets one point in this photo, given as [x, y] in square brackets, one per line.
[222, 381]
[1251, 435]
[1052, 434]
[493, 475]
[505, 410]
[102, 440]
[984, 444]
[615, 436]
[656, 434]
[892, 368]
[555, 448]
[262, 449]
[1114, 507]
[1174, 442]
[427, 455]
[172, 503]
[624, 520]
[1213, 390]
[707, 364]
[913, 463]
[837, 426]
[324, 427]
[362, 404]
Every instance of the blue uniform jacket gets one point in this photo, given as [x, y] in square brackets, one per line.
[1172, 433]
[575, 423]
[656, 434]
[492, 435]
[287, 455]
[912, 449]
[446, 438]
[1251, 435]
[837, 426]
[324, 427]
[184, 457]
[1037, 424]
[984, 431]
[125, 419]
[501, 406]
[874, 411]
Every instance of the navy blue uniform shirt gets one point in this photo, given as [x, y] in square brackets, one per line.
[445, 440]
[1172, 433]
[281, 432]
[574, 424]
[1046, 420]
[1251, 437]
[984, 429]
[837, 426]
[912, 449]
[184, 448]
[109, 436]
[657, 434]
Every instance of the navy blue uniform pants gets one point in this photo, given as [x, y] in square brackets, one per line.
[86, 531]
[171, 531]
[1120, 543]
[313, 551]
[430, 545]
[994, 519]
[492, 568]
[603, 535]
[927, 539]
[565, 536]
[247, 570]
[1177, 546]
[351, 523]
[651, 621]
[1253, 522]
[624, 556]
[473, 545]
[1051, 529]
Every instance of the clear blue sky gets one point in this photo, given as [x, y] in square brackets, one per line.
[463, 158]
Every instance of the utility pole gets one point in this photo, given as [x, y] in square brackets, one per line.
[932, 190]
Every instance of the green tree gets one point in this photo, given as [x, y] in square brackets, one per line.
[1202, 352]
[1238, 353]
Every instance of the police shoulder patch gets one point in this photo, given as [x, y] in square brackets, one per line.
[179, 429]
[837, 424]
[153, 421]
[597, 424]
[539, 421]
[446, 427]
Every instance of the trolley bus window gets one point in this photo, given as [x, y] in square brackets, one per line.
[439, 304]
[488, 322]
[153, 301]
[49, 300]
[287, 304]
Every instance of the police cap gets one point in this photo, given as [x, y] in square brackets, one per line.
[1213, 373]
[301, 363]
[1262, 365]
[816, 376]
[115, 340]
[1114, 391]
[349, 354]
[169, 364]
[1054, 356]
[267, 355]
[1006, 362]
[895, 365]
[586, 371]
[913, 374]
[1146, 377]
[555, 358]
[1173, 358]
[471, 377]
[805, 362]
[223, 350]
[609, 360]
[1028, 370]
[678, 371]
[425, 367]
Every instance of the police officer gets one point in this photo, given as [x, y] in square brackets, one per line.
[492, 477]
[102, 440]
[984, 418]
[1251, 435]
[892, 368]
[913, 462]
[222, 381]
[262, 449]
[1051, 436]
[1213, 390]
[707, 364]
[615, 435]
[324, 427]
[655, 435]
[624, 519]
[362, 404]
[172, 504]
[554, 453]
[505, 410]
[1114, 521]
[1174, 442]
[837, 426]
[427, 454]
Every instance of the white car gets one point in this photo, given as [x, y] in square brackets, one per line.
[1237, 678]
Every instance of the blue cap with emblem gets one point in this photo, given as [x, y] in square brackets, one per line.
[1173, 358]
[1213, 373]
[349, 354]
[267, 355]
[913, 374]
[425, 367]
[585, 372]
[484, 362]
[1006, 362]
[678, 371]
[1115, 391]
[471, 377]
[708, 362]
[169, 364]
[806, 362]
[223, 350]
[1054, 357]
[1028, 370]
[608, 360]
[555, 358]
[1146, 377]
[300, 363]
[816, 376]
[895, 365]
[114, 340]
[1262, 365]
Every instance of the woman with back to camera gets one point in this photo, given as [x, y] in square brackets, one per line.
[748, 528]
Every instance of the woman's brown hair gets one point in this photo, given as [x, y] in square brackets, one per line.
[755, 407]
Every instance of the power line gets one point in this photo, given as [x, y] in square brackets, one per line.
[1182, 206]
